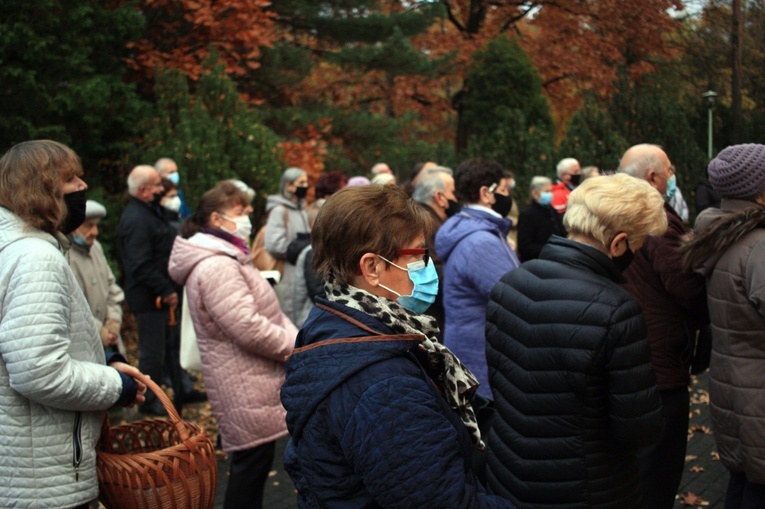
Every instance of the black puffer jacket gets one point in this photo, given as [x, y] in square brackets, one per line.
[575, 394]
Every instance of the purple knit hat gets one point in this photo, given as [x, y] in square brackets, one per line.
[357, 181]
[739, 171]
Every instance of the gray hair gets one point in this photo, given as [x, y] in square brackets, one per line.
[427, 187]
[644, 161]
[565, 165]
[250, 192]
[380, 167]
[538, 182]
[289, 176]
[162, 163]
[138, 177]
[437, 169]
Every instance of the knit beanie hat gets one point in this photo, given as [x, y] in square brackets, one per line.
[739, 171]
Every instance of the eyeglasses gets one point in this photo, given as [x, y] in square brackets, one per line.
[425, 252]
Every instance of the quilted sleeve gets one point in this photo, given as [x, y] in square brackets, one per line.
[237, 310]
[634, 404]
[36, 334]
[408, 452]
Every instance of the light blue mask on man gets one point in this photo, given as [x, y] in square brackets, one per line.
[425, 279]
[174, 177]
[671, 187]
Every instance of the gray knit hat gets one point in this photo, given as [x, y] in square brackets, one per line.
[739, 171]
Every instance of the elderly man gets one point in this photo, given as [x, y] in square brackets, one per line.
[539, 221]
[435, 194]
[145, 240]
[673, 301]
[167, 169]
[96, 278]
[569, 175]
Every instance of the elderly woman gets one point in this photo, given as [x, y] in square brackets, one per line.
[54, 384]
[243, 336]
[569, 361]
[378, 412]
[287, 222]
[539, 221]
[729, 249]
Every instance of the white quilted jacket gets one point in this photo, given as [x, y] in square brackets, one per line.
[54, 386]
[243, 336]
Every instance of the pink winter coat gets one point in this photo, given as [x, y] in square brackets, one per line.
[244, 338]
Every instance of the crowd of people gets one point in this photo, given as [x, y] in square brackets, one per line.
[424, 340]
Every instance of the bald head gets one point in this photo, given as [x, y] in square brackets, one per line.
[647, 162]
[143, 182]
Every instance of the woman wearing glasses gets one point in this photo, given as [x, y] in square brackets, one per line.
[378, 411]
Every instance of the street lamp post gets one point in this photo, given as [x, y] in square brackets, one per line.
[710, 97]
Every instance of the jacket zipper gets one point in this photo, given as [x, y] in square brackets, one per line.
[77, 445]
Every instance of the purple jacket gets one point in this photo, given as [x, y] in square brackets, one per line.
[473, 245]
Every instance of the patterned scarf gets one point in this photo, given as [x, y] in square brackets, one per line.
[455, 381]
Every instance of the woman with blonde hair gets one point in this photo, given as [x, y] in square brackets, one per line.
[244, 338]
[569, 361]
[54, 382]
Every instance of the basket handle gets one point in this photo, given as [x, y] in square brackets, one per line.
[171, 412]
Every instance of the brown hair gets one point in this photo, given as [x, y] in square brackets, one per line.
[31, 174]
[359, 220]
[221, 197]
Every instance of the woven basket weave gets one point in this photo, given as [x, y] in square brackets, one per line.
[157, 463]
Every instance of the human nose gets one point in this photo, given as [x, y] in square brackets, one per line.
[81, 185]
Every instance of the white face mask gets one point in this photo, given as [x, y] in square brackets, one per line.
[243, 227]
[173, 203]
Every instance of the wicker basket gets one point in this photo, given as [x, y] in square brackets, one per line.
[157, 463]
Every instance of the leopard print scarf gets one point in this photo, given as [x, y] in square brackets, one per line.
[454, 379]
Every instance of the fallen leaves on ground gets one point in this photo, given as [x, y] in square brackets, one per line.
[691, 457]
[715, 456]
[695, 428]
[691, 499]
[697, 469]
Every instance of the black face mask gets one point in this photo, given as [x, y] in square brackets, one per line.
[157, 200]
[575, 179]
[502, 204]
[301, 192]
[75, 211]
[453, 208]
[623, 261]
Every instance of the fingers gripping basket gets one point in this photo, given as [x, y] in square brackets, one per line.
[156, 463]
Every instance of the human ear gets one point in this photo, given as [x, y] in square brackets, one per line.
[619, 245]
[370, 268]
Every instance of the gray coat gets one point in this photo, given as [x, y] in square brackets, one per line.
[278, 237]
[731, 254]
[54, 386]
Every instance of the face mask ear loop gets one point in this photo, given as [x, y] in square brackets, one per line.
[391, 291]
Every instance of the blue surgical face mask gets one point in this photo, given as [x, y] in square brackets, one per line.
[174, 177]
[80, 241]
[545, 198]
[425, 279]
[671, 187]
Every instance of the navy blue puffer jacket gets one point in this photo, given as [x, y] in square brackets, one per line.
[368, 427]
[575, 395]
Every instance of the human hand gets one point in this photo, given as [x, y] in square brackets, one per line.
[113, 326]
[171, 300]
[127, 369]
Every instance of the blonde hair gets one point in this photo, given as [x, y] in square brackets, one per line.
[31, 174]
[602, 207]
